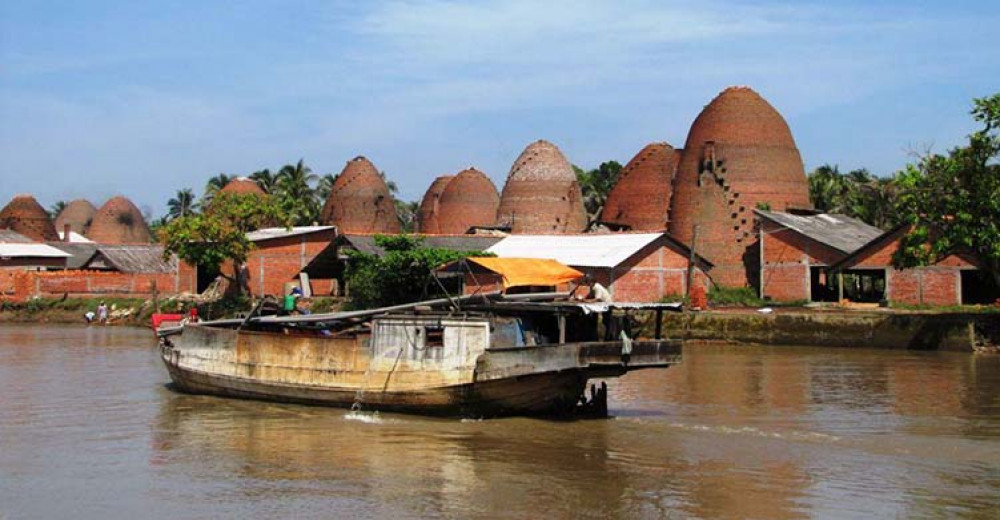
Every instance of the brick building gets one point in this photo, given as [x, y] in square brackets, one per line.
[282, 256]
[795, 251]
[954, 280]
[634, 267]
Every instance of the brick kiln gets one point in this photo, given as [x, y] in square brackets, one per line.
[641, 197]
[243, 185]
[360, 201]
[24, 215]
[470, 199]
[78, 214]
[739, 153]
[542, 194]
[427, 213]
[119, 222]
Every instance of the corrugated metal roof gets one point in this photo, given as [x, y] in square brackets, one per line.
[30, 250]
[80, 252]
[597, 250]
[131, 258]
[9, 236]
[280, 232]
[840, 232]
[366, 243]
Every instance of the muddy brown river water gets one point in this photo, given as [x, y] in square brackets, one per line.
[89, 429]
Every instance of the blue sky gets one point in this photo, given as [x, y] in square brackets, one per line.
[99, 98]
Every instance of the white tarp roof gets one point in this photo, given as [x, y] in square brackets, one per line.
[280, 232]
[31, 250]
[592, 250]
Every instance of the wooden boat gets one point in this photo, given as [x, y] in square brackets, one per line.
[478, 357]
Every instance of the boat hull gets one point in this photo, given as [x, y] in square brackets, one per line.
[518, 381]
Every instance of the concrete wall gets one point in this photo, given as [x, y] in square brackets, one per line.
[914, 331]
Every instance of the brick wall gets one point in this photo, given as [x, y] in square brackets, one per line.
[278, 261]
[658, 270]
[938, 284]
[23, 285]
[788, 255]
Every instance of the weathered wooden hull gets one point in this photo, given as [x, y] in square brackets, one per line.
[342, 373]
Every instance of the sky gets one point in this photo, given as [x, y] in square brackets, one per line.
[100, 98]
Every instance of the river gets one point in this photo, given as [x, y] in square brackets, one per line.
[89, 429]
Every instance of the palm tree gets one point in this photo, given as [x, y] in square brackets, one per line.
[407, 213]
[265, 179]
[827, 189]
[57, 208]
[324, 187]
[182, 205]
[214, 185]
[596, 184]
[393, 188]
[296, 194]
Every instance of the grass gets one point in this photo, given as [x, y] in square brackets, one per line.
[979, 309]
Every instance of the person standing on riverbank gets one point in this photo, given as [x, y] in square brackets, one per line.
[102, 314]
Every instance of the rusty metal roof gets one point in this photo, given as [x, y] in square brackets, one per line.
[840, 232]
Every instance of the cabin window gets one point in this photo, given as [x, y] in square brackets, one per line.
[434, 337]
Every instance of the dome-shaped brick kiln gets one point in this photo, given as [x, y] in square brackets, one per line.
[470, 199]
[24, 215]
[427, 213]
[78, 214]
[118, 221]
[243, 185]
[739, 154]
[641, 197]
[360, 201]
[542, 194]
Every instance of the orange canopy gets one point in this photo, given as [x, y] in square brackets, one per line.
[518, 272]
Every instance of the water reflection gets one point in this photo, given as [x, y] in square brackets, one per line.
[87, 428]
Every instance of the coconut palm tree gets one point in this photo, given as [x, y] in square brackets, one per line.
[214, 185]
[57, 208]
[393, 188]
[296, 193]
[265, 179]
[182, 204]
[324, 187]
[827, 189]
[595, 186]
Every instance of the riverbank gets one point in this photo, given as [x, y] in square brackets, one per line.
[883, 329]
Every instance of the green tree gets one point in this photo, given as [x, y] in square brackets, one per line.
[295, 193]
[219, 234]
[324, 187]
[827, 189]
[952, 201]
[265, 179]
[596, 184]
[402, 275]
[407, 213]
[57, 208]
[214, 185]
[182, 204]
